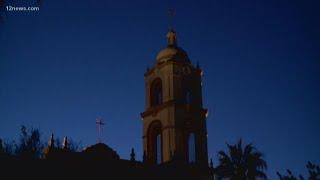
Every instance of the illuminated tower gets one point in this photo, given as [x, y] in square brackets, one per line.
[174, 121]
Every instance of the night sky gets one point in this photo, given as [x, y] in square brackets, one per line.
[73, 61]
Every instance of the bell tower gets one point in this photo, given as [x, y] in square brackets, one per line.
[174, 120]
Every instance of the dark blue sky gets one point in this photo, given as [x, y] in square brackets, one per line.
[62, 67]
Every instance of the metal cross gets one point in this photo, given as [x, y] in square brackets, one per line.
[99, 123]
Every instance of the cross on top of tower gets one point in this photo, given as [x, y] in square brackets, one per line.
[99, 124]
[171, 36]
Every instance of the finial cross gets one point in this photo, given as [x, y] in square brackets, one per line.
[99, 123]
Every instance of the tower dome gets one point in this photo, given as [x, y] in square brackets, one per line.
[172, 52]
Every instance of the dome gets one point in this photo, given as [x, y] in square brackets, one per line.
[101, 150]
[172, 51]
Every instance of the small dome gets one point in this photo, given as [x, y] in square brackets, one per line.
[101, 150]
[172, 51]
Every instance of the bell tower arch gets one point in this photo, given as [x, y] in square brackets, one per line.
[174, 120]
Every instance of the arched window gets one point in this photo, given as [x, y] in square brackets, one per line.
[192, 148]
[154, 149]
[156, 92]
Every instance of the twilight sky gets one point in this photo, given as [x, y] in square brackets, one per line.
[73, 61]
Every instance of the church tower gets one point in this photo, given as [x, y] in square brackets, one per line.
[174, 120]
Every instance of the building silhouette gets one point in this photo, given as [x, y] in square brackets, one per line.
[174, 133]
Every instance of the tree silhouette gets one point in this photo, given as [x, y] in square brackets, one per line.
[313, 170]
[241, 163]
[30, 146]
[7, 148]
[74, 146]
[1, 147]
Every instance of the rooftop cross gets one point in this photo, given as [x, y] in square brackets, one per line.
[99, 123]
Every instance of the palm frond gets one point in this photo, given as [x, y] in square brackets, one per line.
[241, 162]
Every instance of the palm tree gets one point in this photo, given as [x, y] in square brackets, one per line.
[241, 163]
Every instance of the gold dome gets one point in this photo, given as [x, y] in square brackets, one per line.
[172, 52]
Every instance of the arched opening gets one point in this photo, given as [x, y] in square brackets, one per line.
[156, 92]
[154, 150]
[192, 148]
